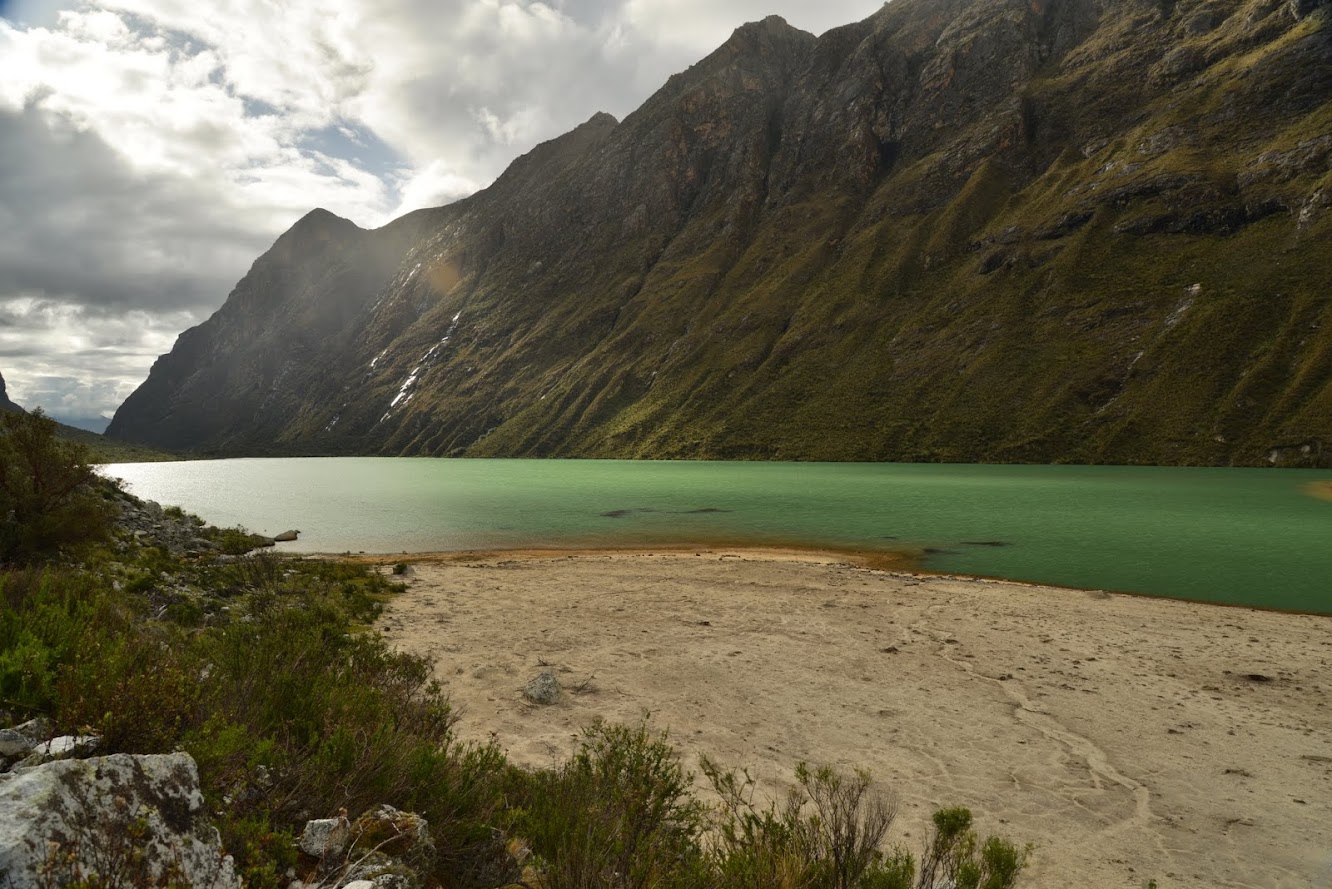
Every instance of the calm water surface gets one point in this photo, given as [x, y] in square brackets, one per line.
[1249, 536]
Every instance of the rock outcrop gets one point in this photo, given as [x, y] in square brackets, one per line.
[957, 230]
[118, 820]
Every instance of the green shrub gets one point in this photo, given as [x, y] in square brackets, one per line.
[50, 497]
[339, 721]
[139, 690]
[618, 814]
[954, 856]
[847, 823]
[46, 618]
[826, 834]
[235, 541]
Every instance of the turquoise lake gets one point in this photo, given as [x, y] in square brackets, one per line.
[1240, 536]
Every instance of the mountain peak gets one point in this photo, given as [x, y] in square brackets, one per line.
[772, 23]
[760, 34]
[602, 119]
[321, 217]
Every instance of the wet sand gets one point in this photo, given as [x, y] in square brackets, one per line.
[1127, 738]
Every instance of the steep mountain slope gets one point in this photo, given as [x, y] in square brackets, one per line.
[959, 230]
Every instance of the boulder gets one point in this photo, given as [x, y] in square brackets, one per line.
[121, 820]
[544, 689]
[287, 536]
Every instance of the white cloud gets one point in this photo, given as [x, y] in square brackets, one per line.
[72, 360]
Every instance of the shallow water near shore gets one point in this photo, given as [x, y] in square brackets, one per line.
[1238, 536]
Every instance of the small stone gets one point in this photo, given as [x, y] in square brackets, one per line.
[325, 836]
[544, 689]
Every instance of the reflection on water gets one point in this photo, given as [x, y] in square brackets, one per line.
[1322, 490]
[1250, 536]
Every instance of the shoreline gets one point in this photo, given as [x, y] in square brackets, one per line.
[1126, 736]
[904, 562]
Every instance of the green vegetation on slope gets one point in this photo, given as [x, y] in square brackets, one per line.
[110, 450]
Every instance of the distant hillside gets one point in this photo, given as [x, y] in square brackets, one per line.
[90, 423]
[110, 450]
[960, 230]
[100, 448]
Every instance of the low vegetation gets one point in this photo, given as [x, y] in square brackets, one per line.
[263, 669]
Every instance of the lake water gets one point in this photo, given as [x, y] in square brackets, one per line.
[1244, 536]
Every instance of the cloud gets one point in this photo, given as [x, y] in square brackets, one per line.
[81, 224]
[76, 360]
[150, 150]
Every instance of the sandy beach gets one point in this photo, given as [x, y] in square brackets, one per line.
[1127, 738]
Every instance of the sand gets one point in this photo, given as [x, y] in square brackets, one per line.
[1126, 738]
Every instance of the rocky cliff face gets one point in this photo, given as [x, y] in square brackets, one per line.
[959, 230]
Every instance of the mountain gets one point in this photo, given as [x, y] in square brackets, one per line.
[962, 230]
[6, 405]
[95, 424]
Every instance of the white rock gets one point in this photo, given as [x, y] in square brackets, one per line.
[359, 884]
[63, 747]
[78, 813]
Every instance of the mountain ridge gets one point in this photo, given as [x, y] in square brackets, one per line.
[969, 230]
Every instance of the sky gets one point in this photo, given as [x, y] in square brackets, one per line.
[151, 150]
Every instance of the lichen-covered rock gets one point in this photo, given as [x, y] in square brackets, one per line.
[403, 835]
[119, 820]
[544, 689]
[325, 836]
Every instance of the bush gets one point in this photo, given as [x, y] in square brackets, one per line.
[49, 494]
[338, 721]
[47, 617]
[955, 857]
[140, 690]
[618, 814]
[826, 834]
